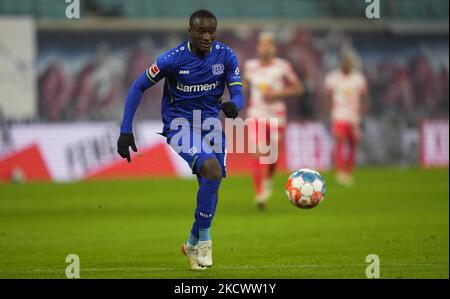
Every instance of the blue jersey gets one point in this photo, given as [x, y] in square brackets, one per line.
[193, 82]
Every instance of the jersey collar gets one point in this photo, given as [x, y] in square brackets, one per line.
[190, 51]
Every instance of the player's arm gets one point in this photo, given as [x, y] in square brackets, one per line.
[328, 101]
[293, 88]
[234, 83]
[246, 80]
[245, 86]
[146, 80]
[328, 94]
[364, 99]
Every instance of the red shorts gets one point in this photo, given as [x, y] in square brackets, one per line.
[345, 131]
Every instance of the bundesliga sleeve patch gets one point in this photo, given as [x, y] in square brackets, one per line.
[153, 70]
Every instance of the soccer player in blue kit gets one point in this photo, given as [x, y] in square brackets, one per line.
[195, 72]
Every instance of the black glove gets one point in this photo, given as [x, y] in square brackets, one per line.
[230, 110]
[126, 140]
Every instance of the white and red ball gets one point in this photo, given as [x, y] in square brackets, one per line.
[305, 188]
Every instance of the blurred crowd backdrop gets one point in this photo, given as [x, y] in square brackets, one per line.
[85, 77]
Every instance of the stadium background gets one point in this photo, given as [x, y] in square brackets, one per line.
[76, 72]
[62, 87]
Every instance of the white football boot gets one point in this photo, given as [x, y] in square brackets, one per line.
[268, 187]
[204, 253]
[344, 179]
[191, 253]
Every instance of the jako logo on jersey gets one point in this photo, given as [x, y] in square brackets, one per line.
[197, 88]
[153, 70]
[218, 69]
[184, 72]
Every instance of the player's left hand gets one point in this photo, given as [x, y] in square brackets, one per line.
[230, 110]
[125, 141]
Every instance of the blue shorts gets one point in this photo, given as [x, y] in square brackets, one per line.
[195, 148]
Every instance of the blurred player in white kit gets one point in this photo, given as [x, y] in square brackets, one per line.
[269, 80]
[346, 92]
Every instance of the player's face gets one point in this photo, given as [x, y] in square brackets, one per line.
[346, 64]
[202, 33]
[266, 49]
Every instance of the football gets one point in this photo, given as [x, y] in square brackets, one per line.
[305, 188]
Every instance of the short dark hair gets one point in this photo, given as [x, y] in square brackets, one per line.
[201, 13]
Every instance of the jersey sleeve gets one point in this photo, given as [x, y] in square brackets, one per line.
[363, 85]
[329, 82]
[233, 74]
[151, 76]
[159, 69]
[246, 70]
[290, 74]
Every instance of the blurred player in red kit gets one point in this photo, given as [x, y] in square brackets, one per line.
[346, 91]
[269, 80]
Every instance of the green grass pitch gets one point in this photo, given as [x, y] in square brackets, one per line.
[134, 229]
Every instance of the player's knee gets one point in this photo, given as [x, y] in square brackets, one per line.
[211, 170]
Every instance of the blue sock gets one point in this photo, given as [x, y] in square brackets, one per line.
[193, 240]
[205, 234]
[206, 207]
[194, 230]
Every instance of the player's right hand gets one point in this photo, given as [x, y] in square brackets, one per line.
[125, 141]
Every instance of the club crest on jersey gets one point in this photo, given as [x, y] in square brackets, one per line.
[153, 70]
[218, 69]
